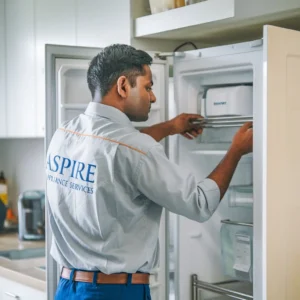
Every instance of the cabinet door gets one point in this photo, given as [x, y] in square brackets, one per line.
[10, 290]
[55, 24]
[2, 72]
[281, 166]
[100, 24]
[20, 71]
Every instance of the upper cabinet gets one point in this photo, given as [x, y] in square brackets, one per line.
[101, 23]
[55, 23]
[20, 71]
[2, 72]
[217, 21]
[27, 25]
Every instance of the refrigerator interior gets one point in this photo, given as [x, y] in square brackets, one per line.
[215, 251]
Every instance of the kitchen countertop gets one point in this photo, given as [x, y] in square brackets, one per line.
[24, 271]
[11, 241]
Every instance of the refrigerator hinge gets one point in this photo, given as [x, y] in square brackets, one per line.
[164, 55]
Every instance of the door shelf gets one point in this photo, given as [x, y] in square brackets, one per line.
[236, 223]
[220, 289]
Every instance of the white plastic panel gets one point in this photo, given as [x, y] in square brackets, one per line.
[229, 101]
[73, 84]
[73, 94]
[199, 245]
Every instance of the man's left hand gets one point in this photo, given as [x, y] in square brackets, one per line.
[182, 124]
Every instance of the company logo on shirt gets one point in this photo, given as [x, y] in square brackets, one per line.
[220, 103]
[68, 168]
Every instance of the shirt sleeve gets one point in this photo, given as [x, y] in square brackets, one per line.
[168, 185]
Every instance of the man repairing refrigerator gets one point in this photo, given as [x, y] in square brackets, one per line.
[108, 182]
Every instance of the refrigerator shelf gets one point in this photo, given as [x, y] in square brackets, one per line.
[217, 122]
[236, 223]
[217, 289]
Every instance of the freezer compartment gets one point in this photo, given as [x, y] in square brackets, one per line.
[224, 97]
[229, 101]
[237, 249]
[225, 109]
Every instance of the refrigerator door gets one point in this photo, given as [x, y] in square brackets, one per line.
[281, 164]
[67, 95]
[65, 67]
[198, 245]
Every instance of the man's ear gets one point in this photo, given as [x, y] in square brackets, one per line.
[122, 86]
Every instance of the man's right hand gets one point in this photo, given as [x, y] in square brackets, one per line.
[243, 139]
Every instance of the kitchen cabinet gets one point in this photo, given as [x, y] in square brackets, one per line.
[217, 21]
[100, 24]
[55, 23]
[27, 25]
[20, 71]
[10, 290]
[2, 71]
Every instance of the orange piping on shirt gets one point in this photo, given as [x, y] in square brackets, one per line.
[102, 138]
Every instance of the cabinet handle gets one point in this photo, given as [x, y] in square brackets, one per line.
[12, 295]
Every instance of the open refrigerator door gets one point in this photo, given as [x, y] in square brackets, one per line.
[224, 85]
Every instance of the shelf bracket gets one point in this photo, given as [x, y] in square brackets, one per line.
[164, 55]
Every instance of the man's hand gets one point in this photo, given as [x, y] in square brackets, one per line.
[242, 144]
[182, 124]
[243, 140]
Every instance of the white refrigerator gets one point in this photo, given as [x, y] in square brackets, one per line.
[249, 248]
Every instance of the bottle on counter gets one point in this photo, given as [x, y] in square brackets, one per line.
[179, 3]
[3, 189]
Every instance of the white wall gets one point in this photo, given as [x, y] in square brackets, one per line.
[22, 160]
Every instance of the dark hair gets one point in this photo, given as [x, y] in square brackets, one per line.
[115, 61]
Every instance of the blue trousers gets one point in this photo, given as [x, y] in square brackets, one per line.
[74, 290]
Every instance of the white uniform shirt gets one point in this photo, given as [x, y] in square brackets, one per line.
[106, 186]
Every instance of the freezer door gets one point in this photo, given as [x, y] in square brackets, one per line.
[281, 164]
[68, 96]
[198, 246]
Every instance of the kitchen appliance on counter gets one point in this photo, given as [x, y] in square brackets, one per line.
[31, 209]
[2, 215]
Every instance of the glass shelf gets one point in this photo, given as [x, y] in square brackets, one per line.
[219, 122]
[228, 289]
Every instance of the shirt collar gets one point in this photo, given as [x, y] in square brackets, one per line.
[108, 112]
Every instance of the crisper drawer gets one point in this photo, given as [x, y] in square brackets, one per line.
[225, 290]
[237, 249]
